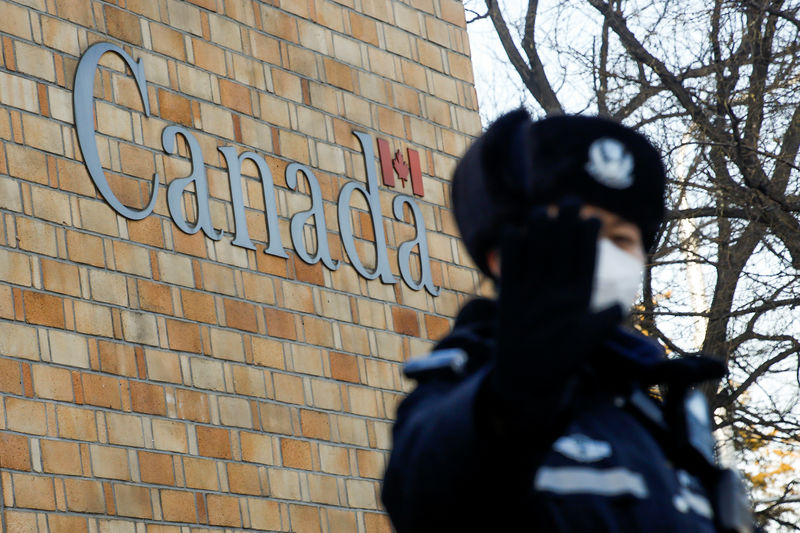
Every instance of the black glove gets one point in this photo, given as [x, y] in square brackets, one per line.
[545, 330]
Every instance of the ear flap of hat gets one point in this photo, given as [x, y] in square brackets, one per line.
[489, 177]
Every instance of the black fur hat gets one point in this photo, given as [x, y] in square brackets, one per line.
[518, 163]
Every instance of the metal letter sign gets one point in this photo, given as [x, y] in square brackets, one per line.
[83, 107]
[83, 103]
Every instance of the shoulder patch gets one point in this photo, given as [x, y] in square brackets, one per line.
[441, 363]
[581, 448]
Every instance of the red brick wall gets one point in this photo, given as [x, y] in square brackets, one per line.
[152, 380]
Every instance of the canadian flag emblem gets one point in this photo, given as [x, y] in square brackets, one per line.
[405, 169]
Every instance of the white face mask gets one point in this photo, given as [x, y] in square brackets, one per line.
[617, 277]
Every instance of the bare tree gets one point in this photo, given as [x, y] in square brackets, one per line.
[716, 85]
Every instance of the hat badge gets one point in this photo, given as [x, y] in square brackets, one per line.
[610, 163]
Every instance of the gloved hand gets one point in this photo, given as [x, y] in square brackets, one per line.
[545, 330]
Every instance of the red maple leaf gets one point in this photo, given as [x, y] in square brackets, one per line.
[400, 166]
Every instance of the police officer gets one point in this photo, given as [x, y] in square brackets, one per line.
[534, 413]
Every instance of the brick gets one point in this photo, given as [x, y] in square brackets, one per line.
[83, 248]
[361, 494]
[132, 259]
[125, 430]
[108, 287]
[280, 324]
[16, 22]
[19, 521]
[198, 306]
[52, 383]
[344, 367]
[265, 48]
[240, 315]
[256, 448]
[264, 514]
[36, 61]
[61, 457]
[436, 327]
[275, 418]
[234, 412]
[25, 416]
[170, 436]
[284, 483]
[200, 473]
[184, 336]
[370, 464]
[84, 496]
[306, 360]
[76, 424]
[213, 442]
[207, 374]
[288, 389]
[51, 205]
[218, 279]
[133, 501]
[68, 349]
[235, 96]
[93, 319]
[117, 358]
[18, 341]
[167, 41]
[154, 297]
[249, 381]
[33, 492]
[363, 28]
[10, 377]
[315, 425]
[267, 352]
[10, 197]
[162, 366]
[15, 453]
[146, 398]
[377, 523]
[108, 462]
[405, 321]
[43, 309]
[98, 216]
[192, 405]
[67, 524]
[296, 454]
[36, 236]
[102, 391]
[223, 511]
[305, 518]
[146, 231]
[279, 24]
[60, 277]
[156, 468]
[173, 107]
[23, 162]
[194, 244]
[317, 332]
[123, 25]
[178, 506]
[175, 269]
[338, 74]
[326, 394]
[340, 521]
[73, 177]
[79, 11]
[209, 56]
[243, 479]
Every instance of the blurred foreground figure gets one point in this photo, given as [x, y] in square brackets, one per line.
[533, 415]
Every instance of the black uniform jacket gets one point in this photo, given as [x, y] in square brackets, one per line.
[582, 461]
